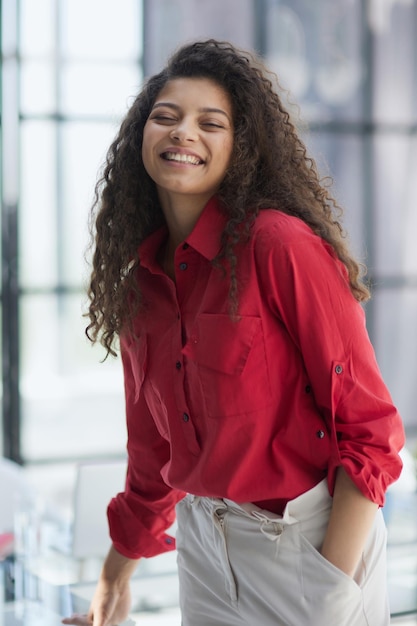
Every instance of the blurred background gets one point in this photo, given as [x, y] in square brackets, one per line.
[69, 71]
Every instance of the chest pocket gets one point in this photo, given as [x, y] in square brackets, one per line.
[229, 360]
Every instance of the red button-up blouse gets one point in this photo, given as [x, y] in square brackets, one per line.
[254, 409]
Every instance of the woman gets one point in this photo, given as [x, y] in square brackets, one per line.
[250, 381]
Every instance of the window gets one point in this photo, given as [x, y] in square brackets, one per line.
[75, 65]
[69, 70]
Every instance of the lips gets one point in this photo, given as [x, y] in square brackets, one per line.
[180, 157]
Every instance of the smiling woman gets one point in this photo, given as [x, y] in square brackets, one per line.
[187, 146]
[251, 384]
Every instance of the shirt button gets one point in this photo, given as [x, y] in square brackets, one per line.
[183, 266]
[338, 369]
[185, 246]
[178, 365]
[168, 540]
[320, 434]
[185, 417]
[308, 389]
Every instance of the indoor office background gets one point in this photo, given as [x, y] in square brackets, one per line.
[70, 69]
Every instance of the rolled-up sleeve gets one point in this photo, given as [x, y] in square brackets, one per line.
[309, 290]
[140, 516]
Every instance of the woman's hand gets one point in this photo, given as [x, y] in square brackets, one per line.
[111, 600]
[109, 607]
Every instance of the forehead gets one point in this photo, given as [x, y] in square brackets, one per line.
[202, 91]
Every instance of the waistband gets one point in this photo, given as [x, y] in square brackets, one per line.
[304, 506]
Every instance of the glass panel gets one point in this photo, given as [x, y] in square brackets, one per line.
[84, 148]
[37, 22]
[99, 29]
[395, 202]
[341, 157]
[315, 49]
[170, 24]
[287, 49]
[37, 87]
[37, 225]
[395, 54]
[396, 342]
[72, 405]
[98, 89]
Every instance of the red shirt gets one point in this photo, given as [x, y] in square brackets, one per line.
[255, 410]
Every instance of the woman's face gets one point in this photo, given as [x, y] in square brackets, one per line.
[188, 139]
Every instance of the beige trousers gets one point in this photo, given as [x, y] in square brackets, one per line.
[241, 565]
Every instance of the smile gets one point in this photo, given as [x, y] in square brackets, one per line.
[181, 158]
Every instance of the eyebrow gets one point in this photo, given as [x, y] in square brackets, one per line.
[202, 110]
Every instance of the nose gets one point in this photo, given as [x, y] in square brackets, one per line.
[183, 132]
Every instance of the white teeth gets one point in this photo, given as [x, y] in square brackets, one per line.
[181, 158]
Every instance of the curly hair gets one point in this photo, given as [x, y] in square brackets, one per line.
[269, 168]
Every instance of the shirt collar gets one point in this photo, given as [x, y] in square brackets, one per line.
[148, 249]
[204, 238]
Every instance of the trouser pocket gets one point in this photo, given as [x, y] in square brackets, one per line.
[329, 595]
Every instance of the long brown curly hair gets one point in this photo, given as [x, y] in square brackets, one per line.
[269, 168]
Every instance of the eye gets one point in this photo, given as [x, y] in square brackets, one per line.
[212, 125]
[163, 119]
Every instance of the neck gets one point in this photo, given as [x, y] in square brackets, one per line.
[181, 215]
